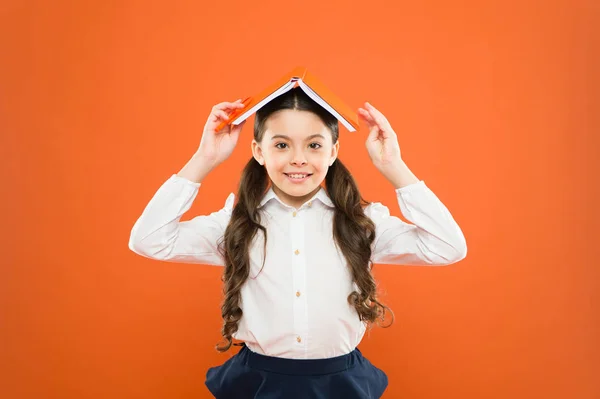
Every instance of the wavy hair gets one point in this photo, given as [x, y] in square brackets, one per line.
[353, 231]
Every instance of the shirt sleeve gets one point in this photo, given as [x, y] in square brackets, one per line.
[434, 238]
[159, 234]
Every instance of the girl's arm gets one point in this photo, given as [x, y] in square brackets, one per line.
[159, 234]
[434, 238]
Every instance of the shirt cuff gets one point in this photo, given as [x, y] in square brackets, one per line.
[183, 180]
[411, 187]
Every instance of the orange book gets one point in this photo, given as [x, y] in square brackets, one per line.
[310, 85]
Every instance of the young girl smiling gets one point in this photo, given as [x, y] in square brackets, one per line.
[297, 246]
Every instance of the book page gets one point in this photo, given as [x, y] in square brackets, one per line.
[286, 87]
[325, 105]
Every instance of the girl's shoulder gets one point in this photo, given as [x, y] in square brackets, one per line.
[229, 203]
[376, 210]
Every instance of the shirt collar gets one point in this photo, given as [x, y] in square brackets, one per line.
[320, 195]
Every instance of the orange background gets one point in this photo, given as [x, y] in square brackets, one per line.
[496, 108]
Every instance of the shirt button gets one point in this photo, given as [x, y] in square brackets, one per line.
[309, 204]
[298, 339]
[297, 293]
[294, 214]
[296, 252]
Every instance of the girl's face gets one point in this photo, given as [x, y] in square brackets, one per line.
[297, 150]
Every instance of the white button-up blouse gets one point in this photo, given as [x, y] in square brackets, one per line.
[297, 306]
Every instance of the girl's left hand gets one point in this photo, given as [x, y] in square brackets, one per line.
[382, 142]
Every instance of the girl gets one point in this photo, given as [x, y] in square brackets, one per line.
[298, 291]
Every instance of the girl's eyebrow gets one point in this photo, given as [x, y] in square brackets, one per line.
[281, 136]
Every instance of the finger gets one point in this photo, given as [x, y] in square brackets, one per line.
[373, 127]
[371, 117]
[378, 117]
[229, 105]
[374, 131]
[366, 116]
[236, 104]
[220, 114]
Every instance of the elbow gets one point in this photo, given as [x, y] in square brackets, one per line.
[135, 241]
[155, 250]
[449, 254]
[140, 247]
[136, 246]
[459, 253]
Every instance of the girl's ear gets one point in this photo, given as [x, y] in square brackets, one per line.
[334, 152]
[257, 152]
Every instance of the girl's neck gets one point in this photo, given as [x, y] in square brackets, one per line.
[291, 200]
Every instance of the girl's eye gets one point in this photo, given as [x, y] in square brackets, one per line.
[314, 146]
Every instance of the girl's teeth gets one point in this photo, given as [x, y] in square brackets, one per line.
[297, 176]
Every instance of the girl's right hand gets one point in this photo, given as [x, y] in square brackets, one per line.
[215, 146]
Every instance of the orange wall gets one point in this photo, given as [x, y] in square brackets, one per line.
[495, 104]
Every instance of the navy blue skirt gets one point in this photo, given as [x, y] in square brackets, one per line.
[252, 375]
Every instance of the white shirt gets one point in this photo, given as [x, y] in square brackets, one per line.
[297, 307]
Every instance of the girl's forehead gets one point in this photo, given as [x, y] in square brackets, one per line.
[297, 133]
[294, 117]
[295, 125]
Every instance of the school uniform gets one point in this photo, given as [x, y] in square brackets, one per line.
[300, 333]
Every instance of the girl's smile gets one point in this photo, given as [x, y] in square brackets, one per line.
[297, 178]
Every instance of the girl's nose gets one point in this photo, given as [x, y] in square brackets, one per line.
[298, 158]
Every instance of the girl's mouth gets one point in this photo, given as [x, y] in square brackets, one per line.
[298, 177]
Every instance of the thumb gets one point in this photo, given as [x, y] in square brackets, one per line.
[371, 125]
[373, 132]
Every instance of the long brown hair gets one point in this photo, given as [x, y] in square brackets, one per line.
[353, 231]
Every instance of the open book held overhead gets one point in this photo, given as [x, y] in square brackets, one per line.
[311, 86]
